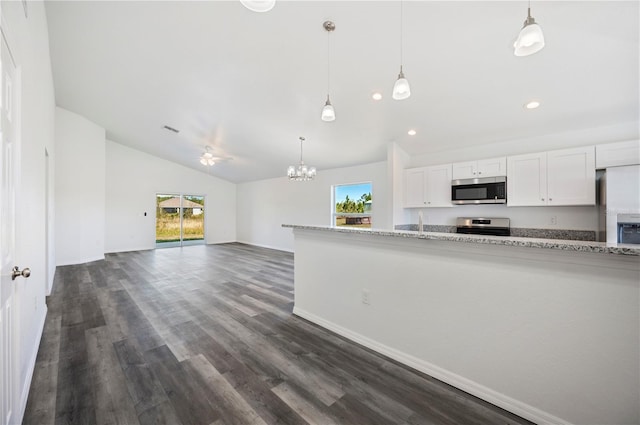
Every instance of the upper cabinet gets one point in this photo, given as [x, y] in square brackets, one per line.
[527, 180]
[563, 177]
[493, 167]
[618, 154]
[427, 187]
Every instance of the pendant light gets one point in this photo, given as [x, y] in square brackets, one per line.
[530, 40]
[401, 89]
[258, 5]
[301, 172]
[328, 113]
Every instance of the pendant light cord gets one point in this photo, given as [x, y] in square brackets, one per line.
[328, 65]
[401, 30]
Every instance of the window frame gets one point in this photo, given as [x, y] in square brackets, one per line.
[335, 214]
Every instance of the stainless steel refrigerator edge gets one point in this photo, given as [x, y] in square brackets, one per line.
[619, 204]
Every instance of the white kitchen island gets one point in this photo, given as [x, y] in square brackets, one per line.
[547, 329]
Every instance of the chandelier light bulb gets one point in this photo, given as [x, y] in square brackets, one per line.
[258, 5]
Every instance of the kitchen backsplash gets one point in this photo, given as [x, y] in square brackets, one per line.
[565, 234]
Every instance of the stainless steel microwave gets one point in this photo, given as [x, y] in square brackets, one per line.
[486, 190]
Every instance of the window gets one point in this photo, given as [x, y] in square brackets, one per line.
[352, 205]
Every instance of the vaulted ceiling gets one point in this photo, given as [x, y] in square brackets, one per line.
[248, 84]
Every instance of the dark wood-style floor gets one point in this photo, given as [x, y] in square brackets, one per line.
[204, 335]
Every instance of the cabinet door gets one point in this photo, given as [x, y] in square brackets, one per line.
[571, 176]
[493, 167]
[414, 188]
[618, 154]
[464, 170]
[527, 180]
[438, 193]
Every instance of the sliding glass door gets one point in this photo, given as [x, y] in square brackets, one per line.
[179, 220]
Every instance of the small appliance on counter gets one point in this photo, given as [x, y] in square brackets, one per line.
[483, 226]
[486, 190]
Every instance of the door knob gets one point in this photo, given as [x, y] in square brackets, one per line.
[26, 272]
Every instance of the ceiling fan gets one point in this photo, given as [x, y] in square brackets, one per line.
[209, 159]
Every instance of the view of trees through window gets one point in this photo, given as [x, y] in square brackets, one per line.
[353, 204]
[179, 219]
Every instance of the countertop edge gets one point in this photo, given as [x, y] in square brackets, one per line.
[558, 244]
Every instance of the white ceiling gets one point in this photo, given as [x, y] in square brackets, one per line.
[248, 84]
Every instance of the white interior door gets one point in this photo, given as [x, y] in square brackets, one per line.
[8, 172]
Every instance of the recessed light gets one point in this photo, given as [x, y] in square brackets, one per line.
[411, 132]
[532, 105]
[376, 96]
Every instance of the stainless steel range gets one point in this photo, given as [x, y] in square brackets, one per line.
[483, 226]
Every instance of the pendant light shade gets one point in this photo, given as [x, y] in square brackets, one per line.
[328, 113]
[401, 89]
[530, 40]
[259, 5]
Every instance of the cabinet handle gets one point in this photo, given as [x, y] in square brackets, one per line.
[550, 199]
[479, 172]
[542, 199]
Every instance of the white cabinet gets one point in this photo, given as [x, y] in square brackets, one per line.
[571, 176]
[493, 167]
[563, 177]
[414, 187]
[618, 154]
[438, 193]
[427, 187]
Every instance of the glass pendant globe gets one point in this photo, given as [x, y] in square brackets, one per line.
[259, 5]
[401, 89]
[328, 113]
[530, 40]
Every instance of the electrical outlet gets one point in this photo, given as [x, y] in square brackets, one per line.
[366, 297]
[553, 220]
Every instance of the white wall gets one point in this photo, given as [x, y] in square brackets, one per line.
[547, 142]
[29, 44]
[397, 161]
[547, 334]
[80, 189]
[127, 229]
[263, 206]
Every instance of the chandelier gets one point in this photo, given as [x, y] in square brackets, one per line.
[301, 172]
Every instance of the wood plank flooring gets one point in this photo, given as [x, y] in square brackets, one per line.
[204, 335]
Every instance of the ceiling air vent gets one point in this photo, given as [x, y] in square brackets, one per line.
[175, 130]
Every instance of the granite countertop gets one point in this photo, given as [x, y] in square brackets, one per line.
[565, 245]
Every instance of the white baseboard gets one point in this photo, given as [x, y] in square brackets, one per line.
[266, 246]
[26, 385]
[514, 406]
